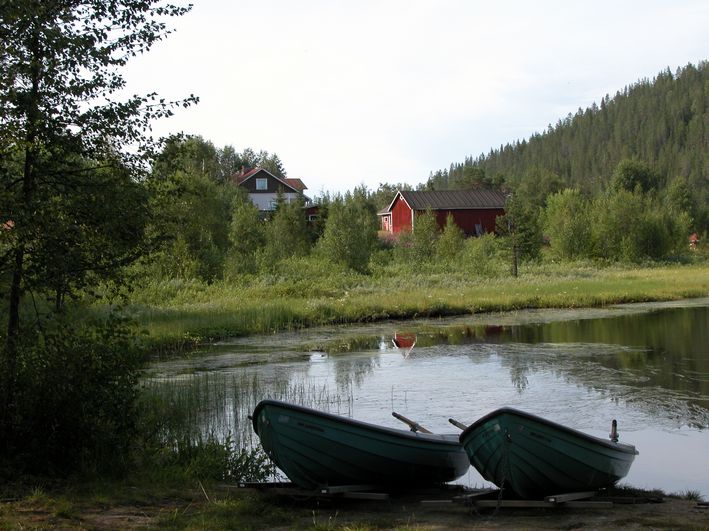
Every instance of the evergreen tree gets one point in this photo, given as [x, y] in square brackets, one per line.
[659, 124]
[451, 240]
[263, 159]
[537, 185]
[633, 174]
[424, 236]
[521, 230]
[385, 194]
[272, 164]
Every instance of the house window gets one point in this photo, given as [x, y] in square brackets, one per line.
[262, 184]
[273, 204]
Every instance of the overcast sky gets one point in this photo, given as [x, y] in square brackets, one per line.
[351, 92]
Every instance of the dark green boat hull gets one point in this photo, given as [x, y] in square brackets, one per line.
[534, 457]
[316, 449]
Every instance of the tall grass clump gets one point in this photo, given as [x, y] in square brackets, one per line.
[184, 435]
[691, 495]
[196, 426]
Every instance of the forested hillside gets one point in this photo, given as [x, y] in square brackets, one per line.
[663, 122]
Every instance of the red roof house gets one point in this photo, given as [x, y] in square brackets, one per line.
[264, 188]
[474, 211]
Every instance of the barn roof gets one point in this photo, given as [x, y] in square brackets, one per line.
[453, 199]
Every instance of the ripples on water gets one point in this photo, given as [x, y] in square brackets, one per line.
[648, 369]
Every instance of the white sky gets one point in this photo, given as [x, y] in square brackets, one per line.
[351, 92]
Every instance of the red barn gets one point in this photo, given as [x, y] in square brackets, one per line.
[474, 211]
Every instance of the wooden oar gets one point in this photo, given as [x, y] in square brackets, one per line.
[415, 426]
[458, 424]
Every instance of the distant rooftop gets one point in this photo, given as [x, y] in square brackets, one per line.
[240, 176]
[454, 199]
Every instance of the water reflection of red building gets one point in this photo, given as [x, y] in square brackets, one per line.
[404, 339]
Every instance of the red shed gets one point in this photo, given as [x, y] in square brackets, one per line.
[693, 241]
[474, 211]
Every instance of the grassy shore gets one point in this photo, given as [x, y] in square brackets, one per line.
[127, 505]
[179, 314]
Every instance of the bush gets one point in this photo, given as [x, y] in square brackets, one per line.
[73, 409]
[631, 227]
[222, 460]
[482, 255]
[568, 225]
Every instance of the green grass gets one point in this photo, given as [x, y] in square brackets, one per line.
[178, 315]
[229, 511]
[131, 503]
[123, 504]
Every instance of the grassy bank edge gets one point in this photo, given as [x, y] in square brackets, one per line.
[219, 311]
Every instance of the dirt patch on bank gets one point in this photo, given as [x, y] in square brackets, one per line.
[670, 514]
[237, 509]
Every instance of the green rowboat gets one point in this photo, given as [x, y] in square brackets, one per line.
[534, 457]
[316, 449]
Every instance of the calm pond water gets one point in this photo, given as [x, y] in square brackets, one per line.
[646, 365]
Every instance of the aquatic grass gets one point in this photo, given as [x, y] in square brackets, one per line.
[198, 427]
[198, 408]
[187, 433]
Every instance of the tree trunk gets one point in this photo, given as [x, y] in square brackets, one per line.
[9, 366]
[28, 186]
